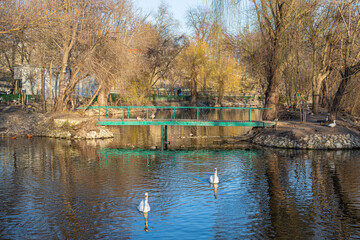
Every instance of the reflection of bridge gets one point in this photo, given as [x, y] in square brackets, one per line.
[149, 155]
[194, 120]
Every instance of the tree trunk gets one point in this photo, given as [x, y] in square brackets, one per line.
[324, 95]
[103, 95]
[335, 106]
[221, 90]
[316, 87]
[315, 96]
[59, 105]
[63, 101]
[42, 95]
[68, 45]
[271, 100]
[193, 92]
[272, 91]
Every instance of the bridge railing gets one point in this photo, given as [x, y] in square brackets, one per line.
[149, 110]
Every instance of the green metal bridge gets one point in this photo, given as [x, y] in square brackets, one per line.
[193, 119]
[151, 119]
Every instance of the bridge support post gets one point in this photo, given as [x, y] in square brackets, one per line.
[162, 137]
[164, 141]
[166, 138]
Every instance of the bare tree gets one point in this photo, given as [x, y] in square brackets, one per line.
[349, 10]
[167, 45]
[18, 15]
[275, 17]
[321, 28]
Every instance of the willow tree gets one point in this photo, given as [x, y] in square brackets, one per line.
[194, 60]
[218, 31]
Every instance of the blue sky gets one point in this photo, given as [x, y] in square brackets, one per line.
[178, 8]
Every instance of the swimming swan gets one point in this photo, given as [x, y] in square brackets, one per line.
[144, 205]
[214, 178]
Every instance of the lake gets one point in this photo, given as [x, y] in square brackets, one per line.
[61, 189]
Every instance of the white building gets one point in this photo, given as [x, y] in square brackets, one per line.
[28, 79]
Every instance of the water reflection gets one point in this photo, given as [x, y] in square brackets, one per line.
[215, 186]
[146, 216]
[66, 189]
[183, 137]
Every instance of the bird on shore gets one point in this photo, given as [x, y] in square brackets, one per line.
[214, 178]
[152, 116]
[332, 124]
[130, 145]
[327, 117]
[322, 122]
[144, 205]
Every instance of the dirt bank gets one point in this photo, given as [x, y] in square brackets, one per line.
[16, 120]
[312, 134]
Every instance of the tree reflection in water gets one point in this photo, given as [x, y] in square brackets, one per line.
[66, 189]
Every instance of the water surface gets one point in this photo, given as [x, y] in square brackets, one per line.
[57, 189]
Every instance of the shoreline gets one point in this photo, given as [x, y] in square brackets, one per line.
[316, 141]
[288, 134]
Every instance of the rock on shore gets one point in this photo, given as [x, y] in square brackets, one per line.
[16, 121]
[307, 136]
[314, 141]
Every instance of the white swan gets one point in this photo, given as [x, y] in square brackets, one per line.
[144, 205]
[332, 124]
[214, 178]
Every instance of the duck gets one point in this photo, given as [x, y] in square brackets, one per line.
[332, 124]
[144, 205]
[214, 178]
[130, 145]
[28, 136]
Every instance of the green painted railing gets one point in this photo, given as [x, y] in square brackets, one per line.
[173, 121]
